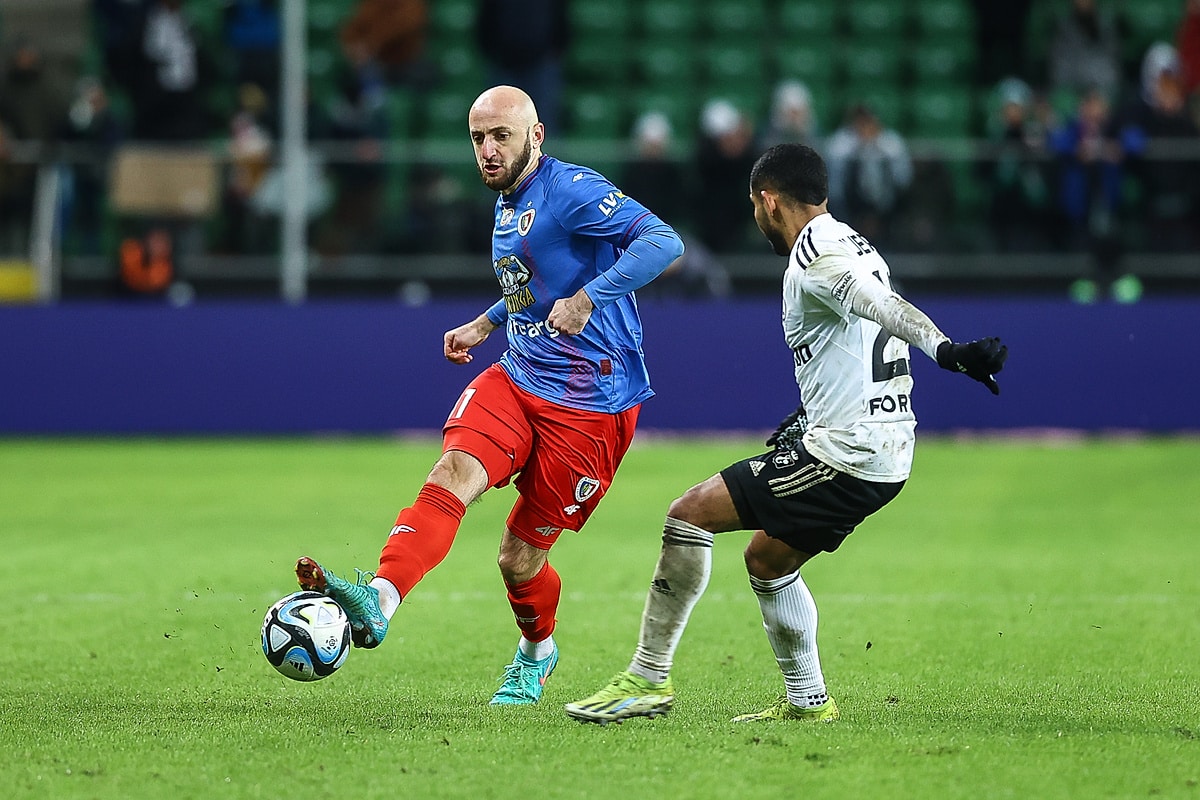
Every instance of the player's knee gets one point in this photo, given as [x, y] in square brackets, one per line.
[769, 563]
[461, 473]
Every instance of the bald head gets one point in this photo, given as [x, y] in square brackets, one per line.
[506, 103]
[506, 135]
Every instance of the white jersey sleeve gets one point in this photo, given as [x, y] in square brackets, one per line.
[849, 334]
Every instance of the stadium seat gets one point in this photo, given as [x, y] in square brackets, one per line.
[446, 114]
[732, 65]
[808, 59]
[730, 20]
[941, 113]
[595, 115]
[1149, 21]
[460, 68]
[949, 19]
[877, 19]
[600, 63]
[808, 18]
[680, 107]
[452, 19]
[668, 19]
[324, 18]
[600, 21]
[665, 65]
[881, 62]
[400, 109]
[941, 62]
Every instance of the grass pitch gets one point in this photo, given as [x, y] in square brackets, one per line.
[1024, 621]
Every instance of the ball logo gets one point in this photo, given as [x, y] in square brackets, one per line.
[585, 489]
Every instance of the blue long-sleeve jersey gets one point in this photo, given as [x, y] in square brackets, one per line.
[566, 227]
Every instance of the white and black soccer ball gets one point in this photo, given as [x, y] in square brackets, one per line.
[306, 636]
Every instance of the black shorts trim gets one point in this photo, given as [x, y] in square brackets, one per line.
[801, 500]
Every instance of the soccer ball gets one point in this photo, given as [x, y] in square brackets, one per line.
[306, 636]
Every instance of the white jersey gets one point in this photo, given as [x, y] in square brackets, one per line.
[849, 334]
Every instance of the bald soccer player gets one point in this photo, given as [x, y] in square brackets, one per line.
[556, 413]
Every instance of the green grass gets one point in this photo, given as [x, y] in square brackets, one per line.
[1023, 621]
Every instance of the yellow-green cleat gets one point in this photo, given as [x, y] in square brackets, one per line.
[626, 695]
[784, 710]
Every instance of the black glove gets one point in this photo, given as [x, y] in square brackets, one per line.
[980, 359]
[790, 430]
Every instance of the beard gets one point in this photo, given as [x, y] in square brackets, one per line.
[504, 180]
[779, 243]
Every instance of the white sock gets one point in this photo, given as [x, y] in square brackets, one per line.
[684, 565]
[536, 651]
[790, 619]
[389, 596]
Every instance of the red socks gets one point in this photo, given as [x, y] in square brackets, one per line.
[421, 538]
[535, 602]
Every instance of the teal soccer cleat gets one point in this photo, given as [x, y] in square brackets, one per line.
[368, 625]
[524, 680]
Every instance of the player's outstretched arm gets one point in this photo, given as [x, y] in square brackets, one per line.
[980, 359]
[457, 342]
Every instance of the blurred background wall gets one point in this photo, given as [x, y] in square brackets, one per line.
[1034, 161]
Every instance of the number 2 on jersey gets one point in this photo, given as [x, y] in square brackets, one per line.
[882, 371]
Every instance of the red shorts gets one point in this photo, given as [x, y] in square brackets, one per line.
[563, 458]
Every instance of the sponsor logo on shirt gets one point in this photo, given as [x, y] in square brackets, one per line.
[611, 202]
[514, 279]
[506, 217]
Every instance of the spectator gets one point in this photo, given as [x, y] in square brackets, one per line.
[1019, 195]
[656, 180]
[652, 176]
[356, 118]
[95, 131]
[167, 78]
[1170, 185]
[392, 33]
[33, 109]
[252, 35]
[724, 157]
[525, 49]
[1085, 51]
[1091, 152]
[249, 162]
[869, 173]
[793, 118]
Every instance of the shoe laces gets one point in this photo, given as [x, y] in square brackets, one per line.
[363, 577]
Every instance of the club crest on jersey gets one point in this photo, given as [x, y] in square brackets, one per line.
[506, 216]
[525, 221]
[585, 489]
[514, 279]
[785, 458]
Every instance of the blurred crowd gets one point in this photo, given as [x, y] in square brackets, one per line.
[1086, 149]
